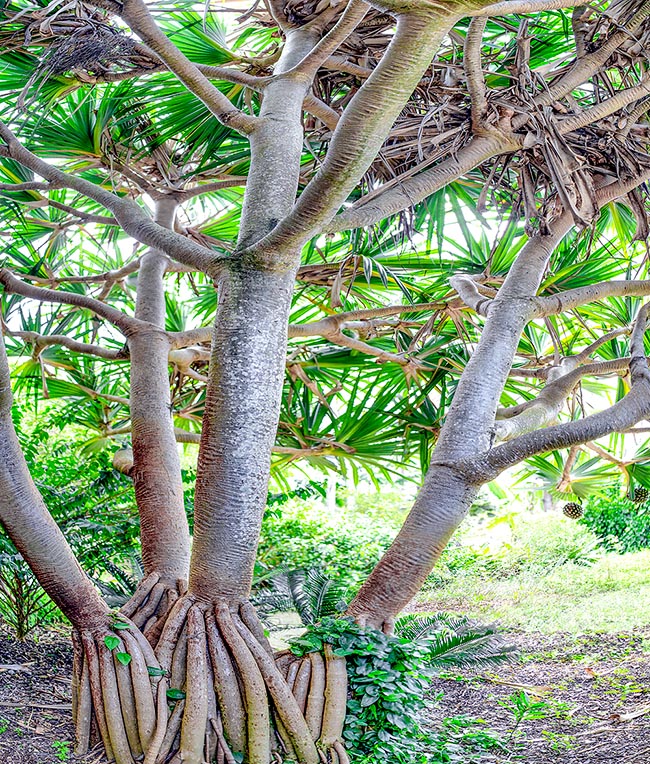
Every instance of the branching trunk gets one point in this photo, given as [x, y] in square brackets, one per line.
[30, 526]
[156, 468]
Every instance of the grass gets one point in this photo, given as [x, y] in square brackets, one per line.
[612, 595]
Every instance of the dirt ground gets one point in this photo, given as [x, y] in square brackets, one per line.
[595, 691]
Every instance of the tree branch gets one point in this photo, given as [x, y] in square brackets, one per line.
[137, 16]
[40, 341]
[619, 417]
[190, 193]
[574, 298]
[545, 408]
[126, 324]
[474, 73]
[472, 294]
[587, 66]
[326, 327]
[129, 215]
[32, 185]
[402, 193]
[320, 53]
[319, 109]
[510, 7]
[605, 108]
[361, 130]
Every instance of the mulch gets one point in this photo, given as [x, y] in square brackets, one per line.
[35, 723]
[596, 689]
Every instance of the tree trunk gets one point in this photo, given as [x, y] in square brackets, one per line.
[156, 470]
[448, 491]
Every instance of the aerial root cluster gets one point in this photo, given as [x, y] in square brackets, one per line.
[152, 603]
[209, 690]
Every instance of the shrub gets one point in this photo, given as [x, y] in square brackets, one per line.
[620, 524]
[92, 503]
[389, 678]
[24, 605]
[460, 558]
[542, 542]
[301, 535]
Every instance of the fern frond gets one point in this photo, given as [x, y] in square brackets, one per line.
[456, 640]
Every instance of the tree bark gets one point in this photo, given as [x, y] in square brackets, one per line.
[32, 529]
[239, 428]
[156, 469]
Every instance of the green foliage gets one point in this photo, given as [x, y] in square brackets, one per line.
[61, 750]
[463, 740]
[310, 593]
[24, 605]
[302, 535]
[523, 707]
[389, 681]
[92, 503]
[124, 578]
[543, 542]
[454, 641]
[460, 558]
[620, 524]
[111, 642]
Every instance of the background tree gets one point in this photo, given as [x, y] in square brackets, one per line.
[257, 164]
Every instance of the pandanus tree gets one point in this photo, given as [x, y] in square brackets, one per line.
[278, 174]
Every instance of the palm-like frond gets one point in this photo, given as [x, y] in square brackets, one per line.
[455, 641]
[311, 593]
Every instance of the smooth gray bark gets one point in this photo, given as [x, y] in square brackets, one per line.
[30, 526]
[156, 468]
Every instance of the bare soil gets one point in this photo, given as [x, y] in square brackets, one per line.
[596, 694]
[595, 688]
[35, 709]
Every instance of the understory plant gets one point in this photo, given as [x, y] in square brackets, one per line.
[389, 678]
[24, 605]
[621, 524]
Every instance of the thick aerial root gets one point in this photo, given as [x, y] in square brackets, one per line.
[316, 697]
[92, 661]
[144, 699]
[226, 686]
[301, 684]
[223, 749]
[195, 718]
[141, 594]
[84, 710]
[336, 694]
[116, 694]
[152, 603]
[212, 667]
[172, 732]
[254, 692]
[286, 705]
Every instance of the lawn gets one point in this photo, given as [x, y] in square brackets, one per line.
[612, 595]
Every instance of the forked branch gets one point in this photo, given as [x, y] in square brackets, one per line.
[129, 215]
[137, 15]
[618, 418]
